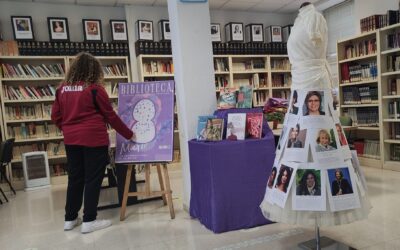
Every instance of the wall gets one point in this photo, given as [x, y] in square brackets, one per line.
[364, 8]
[74, 13]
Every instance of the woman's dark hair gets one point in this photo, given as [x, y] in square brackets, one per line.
[304, 4]
[295, 95]
[289, 174]
[340, 172]
[311, 93]
[298, 127]
[85, 68]
[303, 181]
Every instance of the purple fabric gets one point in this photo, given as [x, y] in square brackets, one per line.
[223, 113]
[228, 180]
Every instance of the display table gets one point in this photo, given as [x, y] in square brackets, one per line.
[228, 180]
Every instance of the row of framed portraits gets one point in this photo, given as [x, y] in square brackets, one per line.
[59, 31]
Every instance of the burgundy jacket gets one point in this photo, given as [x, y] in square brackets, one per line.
[82, 124]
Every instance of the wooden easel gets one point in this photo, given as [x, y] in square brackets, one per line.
[165, 192]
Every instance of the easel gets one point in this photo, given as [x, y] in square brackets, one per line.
[165, 192]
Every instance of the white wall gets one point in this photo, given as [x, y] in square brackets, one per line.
[74, 13]
[364, 8]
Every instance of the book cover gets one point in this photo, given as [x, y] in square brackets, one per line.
[254, 122]
[148, 109]
[227, 98]
[245, 97]
[236, 126]
[201, 127]
[214, 129]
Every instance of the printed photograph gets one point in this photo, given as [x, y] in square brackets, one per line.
[271, 178]
[22, 27]
[294, 105]
[58, 28]
[340, 181]
[257, 34]
[284, 176]
[92, 30]
[308, 182]
[215, 32]
[118, 30]
[145, 29]
[341, 135]
[314, 103]
[297, 137]
[325, 140]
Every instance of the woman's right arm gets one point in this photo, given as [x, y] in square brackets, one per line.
[56, 115]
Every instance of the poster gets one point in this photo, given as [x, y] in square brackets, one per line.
[148, 109]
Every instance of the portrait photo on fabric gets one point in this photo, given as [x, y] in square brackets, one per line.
[297, 137]
[294, 104]
[272, 178]
[340, 181]
[325, 140]
[314, 103]
[308, 182]
[283, 179]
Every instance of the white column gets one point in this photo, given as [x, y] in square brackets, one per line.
[194, 74]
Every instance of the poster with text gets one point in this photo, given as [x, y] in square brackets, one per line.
[147, 108]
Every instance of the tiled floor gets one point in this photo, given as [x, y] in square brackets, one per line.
[34, 220]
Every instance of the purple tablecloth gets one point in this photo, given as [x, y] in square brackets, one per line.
[228, 182]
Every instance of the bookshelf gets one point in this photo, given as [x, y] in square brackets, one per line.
[360, 94]
[27, 91]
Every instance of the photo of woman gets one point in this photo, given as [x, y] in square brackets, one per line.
[272, 178]
[294, 141]
[294, 109]
[58, 27]
[285, 173]
[313, 103]
[309, 182]
[342, 137]
[341, 182]
[324, 141]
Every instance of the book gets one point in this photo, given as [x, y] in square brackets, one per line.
[244, 97]
[254, 122]
[236, 126]
[201, 134]
[227, 98]
[214, 129]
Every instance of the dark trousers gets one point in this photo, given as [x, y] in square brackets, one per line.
[86, 167]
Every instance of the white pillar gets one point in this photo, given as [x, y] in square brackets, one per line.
[194, 74]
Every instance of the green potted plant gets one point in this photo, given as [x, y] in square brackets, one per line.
[276, 118]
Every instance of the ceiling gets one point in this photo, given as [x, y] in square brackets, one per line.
[276, 6]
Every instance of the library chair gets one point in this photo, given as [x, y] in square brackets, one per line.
[5, 158]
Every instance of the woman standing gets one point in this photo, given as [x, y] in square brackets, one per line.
[81, 110]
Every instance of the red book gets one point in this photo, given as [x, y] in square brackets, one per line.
[359, 147]
[254, 122]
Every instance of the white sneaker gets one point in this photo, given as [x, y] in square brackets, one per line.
[69, 225]
[88, 227]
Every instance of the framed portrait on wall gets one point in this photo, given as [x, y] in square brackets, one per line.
[58, 28]
[273, 34]
[144, 30]
[164, 30]
[22, 28]
[92, 30]
[254, 33]
[215, 32]
[119, 31]
[234, 32]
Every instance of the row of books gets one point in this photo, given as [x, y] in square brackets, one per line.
[281, 80]
[368, 148]
[221, 65]
[394, 152]
[32, 131]
[111, 88]
[239, 126]
[249, 65]
[23, 112]
[158, 67]
[118, 69]
[358, 72]
[394, 86]
[52, 149]
[363, 117]
[153, 48]
[393, 63]
[394, 130]
[393, 40]
[394, 109]
[72, 48]
[220, 82]
[280, 64]
[360, 95]
[284, 94]
[256, 80]
[260, 98]
[9, 48]
[249, 48]
[373, 22]
[31, 71]
[25, 92]
[363, 48]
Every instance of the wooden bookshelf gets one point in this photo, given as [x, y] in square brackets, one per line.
[30, 100]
